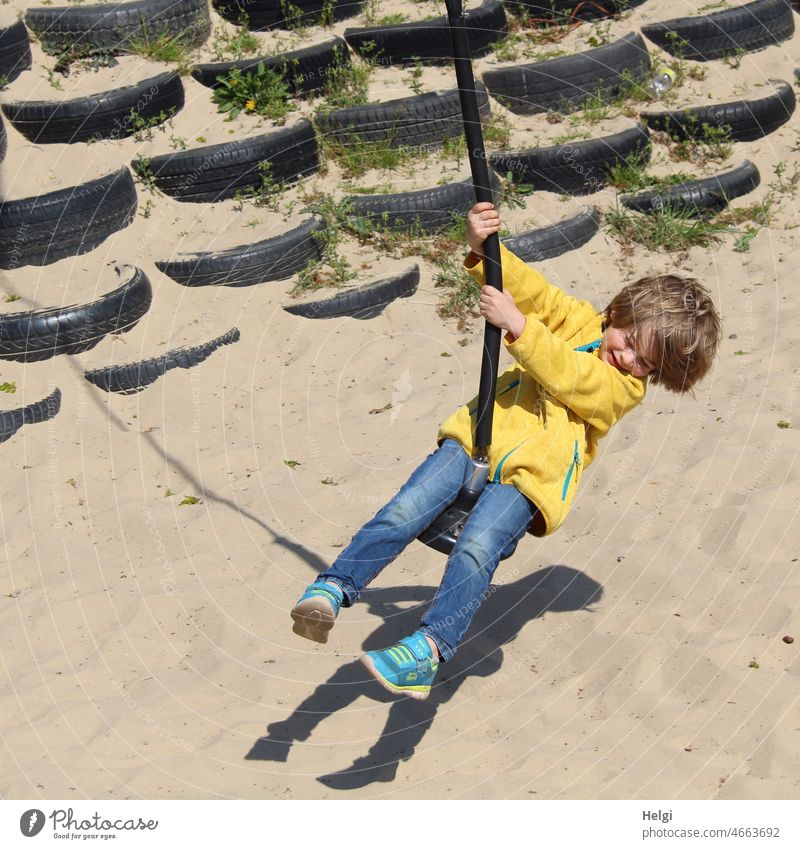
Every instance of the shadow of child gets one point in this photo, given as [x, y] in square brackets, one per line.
[500, 618]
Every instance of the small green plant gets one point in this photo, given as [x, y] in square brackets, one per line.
[601, 34]
[147, 209]
[665, 230]
[329, 482]
[51, 77]
[734, 59]
[631, 175]
[742, 243]
[356, 157]
[414, 80]
[292, 464]
[260, 92]
[168, 492]
[10, 388]
[754, 664]
[165, 47]
[347, 83]
[144, 171]
[3, 81]
[332, 269]
[11, 298]
[143, 127]
[701, 142]
[178, 143]
[461, 292]
[189, 499]
[784, 424]
[242, 42]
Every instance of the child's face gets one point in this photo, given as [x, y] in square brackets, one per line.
[620, 350]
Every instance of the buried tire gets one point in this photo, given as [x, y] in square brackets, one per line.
[423, 119]
[106, 115]
[271, 259]
[133, 377]
[555, 239]
[424, 211]
[41, 334]
[67, 222]
[564, 83]
[221, 171]
[580, 167]
[365, 301]
[304, 71]
[747, 28]
[429, 40]
[114, 27]
[695, 197]
[746, 120]
[39, 411]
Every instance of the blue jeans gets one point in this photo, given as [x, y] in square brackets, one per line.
[497, 522]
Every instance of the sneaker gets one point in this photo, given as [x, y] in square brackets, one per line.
[407, 668]
[316, 611]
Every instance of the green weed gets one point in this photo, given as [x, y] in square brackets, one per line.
[9, 387]
[259, 92]
[664, 230]
[226, 45]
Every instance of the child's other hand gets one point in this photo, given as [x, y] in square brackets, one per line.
[499, 309]
[482, 220]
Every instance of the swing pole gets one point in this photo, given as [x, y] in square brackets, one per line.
[476, 153]
[444, 531]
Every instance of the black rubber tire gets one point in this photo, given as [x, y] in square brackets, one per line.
[133, 377]
[564, 83]
[304, 71]
[40, 334]
[271, 14]
[429, 41]
[747, 119]
[106, 115]
[751, 27]
[422, 119]
[3, 140]
[15, 51]
[365, 301]
[696, 197]
[574, 168]
[68, 222]
[220, 171]
[544, 12]
[39, 411]
[113, 27]
[555, 239]
[247, 265]
[424, 211]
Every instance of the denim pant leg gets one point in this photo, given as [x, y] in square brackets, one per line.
[498, 521]
[432, 487]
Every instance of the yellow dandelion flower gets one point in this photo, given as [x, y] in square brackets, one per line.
[250, 105]
[233, 82]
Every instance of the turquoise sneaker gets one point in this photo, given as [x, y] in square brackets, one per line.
[316, 611]
[407, 668]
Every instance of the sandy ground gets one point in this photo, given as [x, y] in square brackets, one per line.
[147, 647]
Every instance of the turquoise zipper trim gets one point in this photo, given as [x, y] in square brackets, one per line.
[576, 461]
[496, 478]
[591, 346]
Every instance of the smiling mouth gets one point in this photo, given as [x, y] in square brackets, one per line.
[614, 361]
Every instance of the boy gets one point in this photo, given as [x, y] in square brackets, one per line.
[577, 373]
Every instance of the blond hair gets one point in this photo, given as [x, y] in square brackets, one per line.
[686, 327]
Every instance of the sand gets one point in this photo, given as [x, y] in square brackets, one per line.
[147, 645]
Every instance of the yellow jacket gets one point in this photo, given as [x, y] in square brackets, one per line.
[555, 403]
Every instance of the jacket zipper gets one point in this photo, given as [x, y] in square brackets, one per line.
[576, 461]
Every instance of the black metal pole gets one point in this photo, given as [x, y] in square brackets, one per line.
[483, 192]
